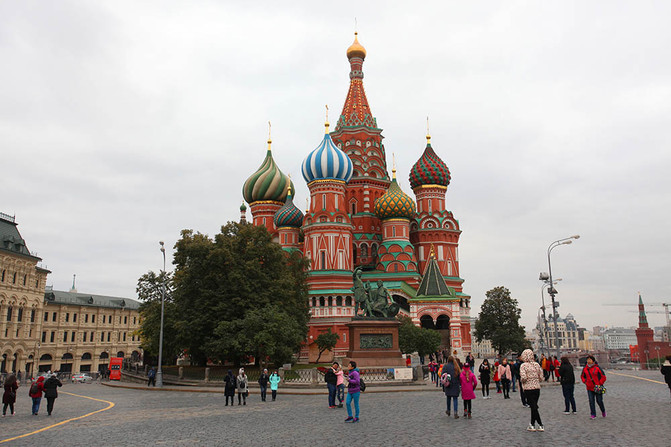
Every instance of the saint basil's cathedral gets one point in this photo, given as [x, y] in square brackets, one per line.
[359, 217]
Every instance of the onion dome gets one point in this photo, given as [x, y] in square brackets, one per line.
[243, 207]
[289, 215]
[327, 162]
[429, 169]
[394, 203]
[356, 49]
[268, 183]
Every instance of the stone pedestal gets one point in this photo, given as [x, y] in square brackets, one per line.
[374, 343]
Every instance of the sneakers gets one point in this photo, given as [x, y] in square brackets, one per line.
[592, 417]
[575, 412]
[540, 428]
[332, 407]
[566, 412]
[447, 412]
[469, 415]
[349, 418]
[603, 414]
[355, 420]
[531, 428]
[339, 405]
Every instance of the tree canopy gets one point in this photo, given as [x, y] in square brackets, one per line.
[412, 338]
[499, 322]
[326, 341]
[239, 294]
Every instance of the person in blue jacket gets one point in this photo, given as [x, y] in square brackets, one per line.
[274, 383]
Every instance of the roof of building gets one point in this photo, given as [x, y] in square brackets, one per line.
[429, 169]
[87, 299]
[10, 238]
[356, 111]
[289, 215]
[433, 283]
[268, 183]
[394, 203]
[327, 162]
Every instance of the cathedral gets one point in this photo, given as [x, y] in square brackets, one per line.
[359, 218]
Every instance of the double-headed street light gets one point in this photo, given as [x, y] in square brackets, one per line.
[159, 373]
[548, 277]
[545, 320]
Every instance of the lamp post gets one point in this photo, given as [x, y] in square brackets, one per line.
[657, 348]
[159, 373]
[552, 291]
[37, 359]
[545, 320]
[646, 358]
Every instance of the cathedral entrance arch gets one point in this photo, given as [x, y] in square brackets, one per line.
[426, 322]
[443, 327]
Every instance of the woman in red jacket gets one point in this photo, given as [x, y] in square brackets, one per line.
[35, 393]
[594, 377]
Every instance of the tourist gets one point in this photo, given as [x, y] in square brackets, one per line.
[531, 375]
[497, 379]
[243, 389]
[593, 377]
[9, 396]
[353, 392]
[408, 361]
[331, 383]
[518, 364]
[485, 377]
[567, 380]
[230, 384]
[433, 370]
[274, 383]
[51, 392]
[470, 360]
[151, 375]
[555, 367]
[35, 393]
[505, 375]
[545, 366]
[263, 384]
[451, 385]
[666, 371]
[468, 384]
[340, 383]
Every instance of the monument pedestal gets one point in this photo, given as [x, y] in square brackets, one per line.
[374, 343]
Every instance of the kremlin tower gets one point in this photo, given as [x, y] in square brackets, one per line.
[358, 217]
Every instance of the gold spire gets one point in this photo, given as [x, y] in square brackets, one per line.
[270, 141]
[356, 49]
[432, 255]
[326, 124]
[393, 169]
[289, 187]
[428, 134]
[307, 205]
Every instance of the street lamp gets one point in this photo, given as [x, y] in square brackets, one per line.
[39, 345]
[657, 348]
[545, 320]
[159, 373]
[646, 358]
[552, 291]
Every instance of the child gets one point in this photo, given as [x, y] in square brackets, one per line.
[497, 379]
[468, 384]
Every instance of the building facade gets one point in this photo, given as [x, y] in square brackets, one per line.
[648, 348]
[43, 329]
[358, 218]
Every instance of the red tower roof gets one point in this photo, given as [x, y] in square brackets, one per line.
[356, 111]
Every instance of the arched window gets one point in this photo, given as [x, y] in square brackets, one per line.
[426, 322]
[339, 301]
[330, 301]
[364, 251]
[354, 253]
[86, 356]
[443, 322]
[373, 251]
[321, 301]
[348, 301]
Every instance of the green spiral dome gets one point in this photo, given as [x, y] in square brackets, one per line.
[395, 204]
[267, 183]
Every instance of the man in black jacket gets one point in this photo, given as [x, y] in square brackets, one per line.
[51, 391]
[331, 379]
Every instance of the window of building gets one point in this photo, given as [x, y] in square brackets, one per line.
[46, 316]
[14, 278]
[321, 301]
[364, 251]
[65, 336]
[9, 313]
[3, 276]
[25, 278]
[72, 336]
[44, 336]
[322, 258]
[104, 318]
[134, 320]
[53, 334]
[119, 319]
[133, 338]
[19, 314]
[125, 320]
[93, 318]
[53, 316]
[102, 336]
[37, 283]
[84, 336]
[67, 316]
[74, 318]
[323, 201]
[93, 336]
[86, 318]
[108, 336]
[124, 336]
[32, 316]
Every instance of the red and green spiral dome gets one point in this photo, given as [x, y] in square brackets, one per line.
[429, 170]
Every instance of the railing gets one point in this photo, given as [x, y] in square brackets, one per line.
[301, 375]
[8, 217]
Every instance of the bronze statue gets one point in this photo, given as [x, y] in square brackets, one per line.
[375, 303]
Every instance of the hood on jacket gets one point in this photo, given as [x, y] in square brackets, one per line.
[527, 355]
[40, 379]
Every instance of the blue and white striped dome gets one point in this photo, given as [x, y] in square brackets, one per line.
[327, 162]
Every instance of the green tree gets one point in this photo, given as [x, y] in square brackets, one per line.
[149, 290]
[222, 280]
[326, 341]
[412, 338]
[499, 322]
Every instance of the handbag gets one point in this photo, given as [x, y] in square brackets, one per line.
[599, 389]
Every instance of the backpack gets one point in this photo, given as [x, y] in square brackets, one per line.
[362, 384]
[445, 380]
[34, 389]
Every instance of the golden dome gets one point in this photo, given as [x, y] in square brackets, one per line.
[356, 49]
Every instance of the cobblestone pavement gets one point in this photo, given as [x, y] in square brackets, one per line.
[639, 413]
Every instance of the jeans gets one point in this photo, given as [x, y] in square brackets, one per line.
[599, 400]
[467, 406]
[4, 409]
[231, 397]
[505, 385]
[264, 388]
[36, 404]
[341, 393]
[274, 393]
[485, 389]
[353, 397]
[242, 395]
[455, 404]
[332, 394]
[513, 383]
[532, 399]
[434, 377]
[151, 381]
[567, 389]
[523, 397]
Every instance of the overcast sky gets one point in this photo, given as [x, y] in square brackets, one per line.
[122, 123]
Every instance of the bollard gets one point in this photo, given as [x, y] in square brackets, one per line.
[181, 373]
[280, 372]
[314, 376]
[207, 374]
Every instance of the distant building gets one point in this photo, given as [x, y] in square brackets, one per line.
[619, 338]
[648, 348]
[571, 336]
